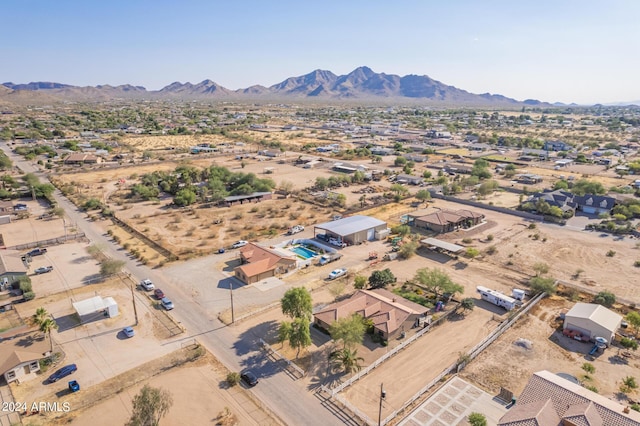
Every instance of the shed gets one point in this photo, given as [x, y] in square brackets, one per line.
[96, 307]
[441, 245]
[354, 229]
[592, 320]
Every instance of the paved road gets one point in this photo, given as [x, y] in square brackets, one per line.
[289, 399]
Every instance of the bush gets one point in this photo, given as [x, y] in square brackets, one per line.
[29, 295]
[592, 388]
[605, 298]
[477, 419]
[233, 378]
[611, 253]
[588, 367]
[542, 284]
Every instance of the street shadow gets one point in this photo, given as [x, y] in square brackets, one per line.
[83, 259]
[319, 338]
[92, 279]
[230, 283]
[324, 372]
[249, 340]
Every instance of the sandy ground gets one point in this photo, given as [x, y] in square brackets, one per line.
[188, 387]
[507, 364]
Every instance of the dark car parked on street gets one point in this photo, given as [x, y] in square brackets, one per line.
[249, 378]
[63, 372]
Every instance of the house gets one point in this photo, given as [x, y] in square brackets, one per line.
[551, 400]
[528, 178]
[556, 146]
[254, 197]
[595, 204]
[592, 320]
[564, 162]
[11, 267]
[455, 168]
[82, 158]
[446, 220]
[378, 150]
[479, 147]
[409, 179]
[539, 154]
[558, 198]
[390, 314]
[20, 355]
[416, 158]
[259, 263]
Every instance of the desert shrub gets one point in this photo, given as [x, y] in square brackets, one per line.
[605, 298]
[233, 378]
[611, 253]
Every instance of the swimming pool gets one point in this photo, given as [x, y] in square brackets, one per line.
[304, 252]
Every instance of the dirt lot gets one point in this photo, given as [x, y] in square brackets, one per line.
[510, 365]
[109, 402]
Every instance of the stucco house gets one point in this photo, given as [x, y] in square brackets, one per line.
[390, 313]
[20, 356]
[259, 263]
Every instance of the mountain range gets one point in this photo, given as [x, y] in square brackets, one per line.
[362, 84]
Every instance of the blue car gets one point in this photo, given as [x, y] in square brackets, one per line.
[63, 372]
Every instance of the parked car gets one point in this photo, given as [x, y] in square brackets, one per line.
[20, 207]
[337, 243]
[239, 244]
[249, 378]
[166, 303]
[295, 229]
[62, 372]
[74, 386]
[159, 294]
[336, 273]
[37, 252]
[43, 270]
[147, 284]
[129, 331]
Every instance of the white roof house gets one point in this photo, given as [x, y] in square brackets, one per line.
[592, 320]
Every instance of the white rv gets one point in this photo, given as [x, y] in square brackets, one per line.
[497, 298]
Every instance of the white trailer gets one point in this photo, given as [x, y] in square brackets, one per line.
[497, 298]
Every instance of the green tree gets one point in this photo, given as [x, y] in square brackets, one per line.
[477, 419]
[423, 195]
[467, 304]
[185, 197]
[347, 359]
[359, 282]
[585, 186]
[605, 298]
[149, 406]
[542, 284]
[111, 267]
[437, 281]
[561, 184]
[297, 332]
[487, 187]
[472, 252]
[408, 250]
[628, 343]
[540, 268]
[400, 161]
[380, 279]
[296, 303]
[349, 330]
[233, 378]
[633, 318]
[40, 315]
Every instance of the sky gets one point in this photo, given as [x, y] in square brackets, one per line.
[581, 51]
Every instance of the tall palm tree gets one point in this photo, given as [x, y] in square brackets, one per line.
[348, 359]
[46, 326]
[39, 316]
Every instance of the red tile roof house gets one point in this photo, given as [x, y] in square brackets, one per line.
[260, 263]
[550, 400]
[390, 313]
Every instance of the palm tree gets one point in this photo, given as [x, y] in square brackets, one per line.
[46, 326]
[347, 359]
[39, 316]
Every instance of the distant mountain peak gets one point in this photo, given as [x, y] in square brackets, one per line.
[361, 83]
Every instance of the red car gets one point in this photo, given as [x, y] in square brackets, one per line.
[158, 293]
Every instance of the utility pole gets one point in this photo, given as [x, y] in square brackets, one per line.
[383, 395]
[133, 298]
[233, 319]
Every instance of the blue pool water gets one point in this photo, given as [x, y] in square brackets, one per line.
[304, 252]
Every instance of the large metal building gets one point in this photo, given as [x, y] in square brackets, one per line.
[354, 229]
[593, 321]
